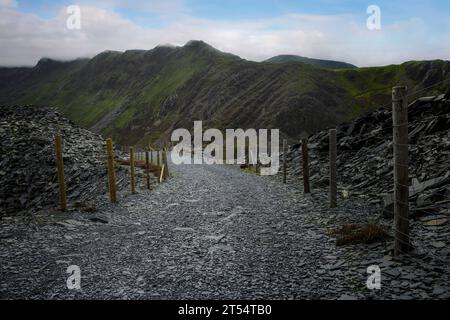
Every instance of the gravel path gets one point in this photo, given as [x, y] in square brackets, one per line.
[210, 232]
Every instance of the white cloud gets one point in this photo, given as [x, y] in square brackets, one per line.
[158, 6]
[8, 3]
[25, 38]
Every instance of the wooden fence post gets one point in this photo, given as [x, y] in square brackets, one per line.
[161, 174]
[147, 169]
[133, 185]
[158, 158]
[61, 181]
[284, 160]
[166, 166]
[401, 161]
[305, 163]
[333, 173]
[111, 171]
[247, 157]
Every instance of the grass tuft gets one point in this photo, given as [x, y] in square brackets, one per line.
[354, 234]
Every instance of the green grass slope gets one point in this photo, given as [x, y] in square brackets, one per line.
[372, 87]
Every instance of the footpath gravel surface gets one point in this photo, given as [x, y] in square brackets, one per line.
[209, 232]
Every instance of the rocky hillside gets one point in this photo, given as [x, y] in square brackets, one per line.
[27, 159]
[140, 96]
[365, 161]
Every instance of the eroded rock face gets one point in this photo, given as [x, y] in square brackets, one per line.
[365, 156]
[27, 159]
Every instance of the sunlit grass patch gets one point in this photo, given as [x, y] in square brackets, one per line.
[248, 169]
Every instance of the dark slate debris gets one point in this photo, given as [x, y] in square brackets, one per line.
[215, 232]
[28, 178]
[365, 156]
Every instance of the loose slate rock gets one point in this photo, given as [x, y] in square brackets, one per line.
[436, 222]
[28, 178]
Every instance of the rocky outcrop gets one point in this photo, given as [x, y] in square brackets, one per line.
[365, 156]
[27, 159]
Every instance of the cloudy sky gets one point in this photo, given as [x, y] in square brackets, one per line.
[252, 29]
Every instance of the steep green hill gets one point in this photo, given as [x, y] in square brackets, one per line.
[328, 64]
[141, 96]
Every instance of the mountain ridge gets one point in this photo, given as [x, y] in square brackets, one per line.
[140, 96]
[328, 64]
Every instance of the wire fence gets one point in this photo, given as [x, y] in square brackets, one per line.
[382, 139]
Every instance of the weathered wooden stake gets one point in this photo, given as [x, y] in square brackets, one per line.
[166, 171]
[133, 182]
[333, 173]
[284, 160]
[111, 171]
[61, 181]
[147, 169]
[158, 158]
[161, 174]
[305, 163]
[401, 161]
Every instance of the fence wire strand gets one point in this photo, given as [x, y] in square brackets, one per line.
[427, 210]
